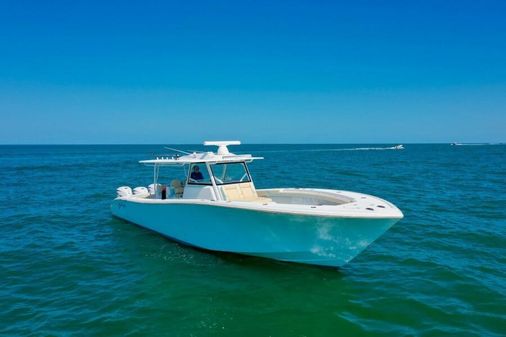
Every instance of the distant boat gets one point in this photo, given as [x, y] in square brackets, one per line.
[398, 147]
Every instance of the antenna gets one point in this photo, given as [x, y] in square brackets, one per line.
[172, 149]
[222, 145]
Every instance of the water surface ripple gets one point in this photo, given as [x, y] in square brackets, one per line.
[69, 268]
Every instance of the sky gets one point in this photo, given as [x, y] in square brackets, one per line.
[175, 72]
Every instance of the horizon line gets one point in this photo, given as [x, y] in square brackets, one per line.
[144, 144]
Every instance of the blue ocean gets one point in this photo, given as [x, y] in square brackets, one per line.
[68, 268]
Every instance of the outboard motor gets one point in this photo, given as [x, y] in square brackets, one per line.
[155, 190]
[152, 188]
[124, 191]
[141, 192]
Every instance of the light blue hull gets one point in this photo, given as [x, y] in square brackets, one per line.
[326, 241]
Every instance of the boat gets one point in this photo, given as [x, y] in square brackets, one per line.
[398, 147]
[216, 207]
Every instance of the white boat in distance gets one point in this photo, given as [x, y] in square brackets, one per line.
[218, 208]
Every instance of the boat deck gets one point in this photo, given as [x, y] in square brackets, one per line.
[311, 202]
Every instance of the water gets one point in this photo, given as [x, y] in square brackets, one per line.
[69, 268]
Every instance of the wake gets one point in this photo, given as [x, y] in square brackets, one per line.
[397, 147]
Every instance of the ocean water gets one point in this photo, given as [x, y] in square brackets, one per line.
[68, 268]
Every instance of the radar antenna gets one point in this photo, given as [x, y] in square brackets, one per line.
[222, 145]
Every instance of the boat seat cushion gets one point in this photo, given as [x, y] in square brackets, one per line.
[177, 187]
[242, 192]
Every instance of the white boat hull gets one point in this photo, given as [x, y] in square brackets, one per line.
[311, 239]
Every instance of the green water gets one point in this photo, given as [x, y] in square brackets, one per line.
[67, 268]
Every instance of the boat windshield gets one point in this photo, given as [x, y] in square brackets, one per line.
[230, 173]
[198, 174]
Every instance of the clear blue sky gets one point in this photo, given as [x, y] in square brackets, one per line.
[258, 71]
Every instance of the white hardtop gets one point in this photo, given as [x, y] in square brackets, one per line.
[221, 156]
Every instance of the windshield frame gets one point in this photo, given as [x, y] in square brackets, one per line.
[246, 170]
[190, 181]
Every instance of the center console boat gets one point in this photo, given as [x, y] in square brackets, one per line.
[218, 208]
